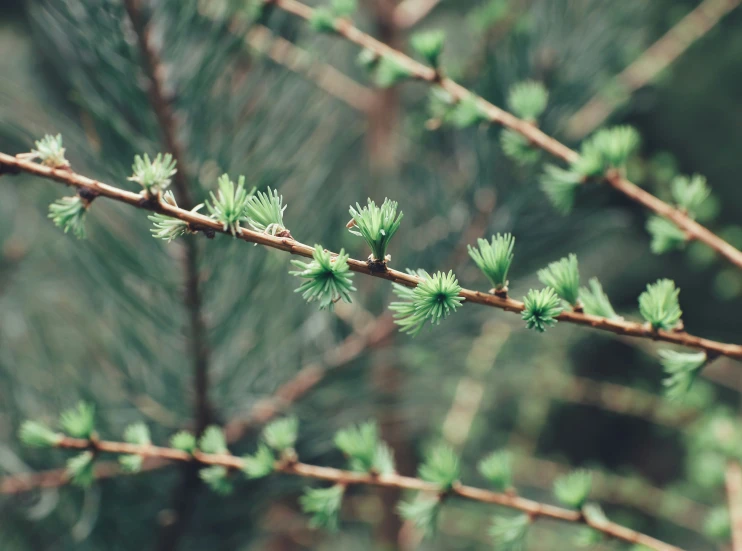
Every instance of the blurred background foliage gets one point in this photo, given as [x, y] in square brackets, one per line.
[104, 319]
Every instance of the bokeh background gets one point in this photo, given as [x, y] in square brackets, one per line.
[104, 320]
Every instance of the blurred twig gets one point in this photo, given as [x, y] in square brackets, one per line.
[534, 135]
[648, 66]
[203, 223]
[410, 12]
[734, 498]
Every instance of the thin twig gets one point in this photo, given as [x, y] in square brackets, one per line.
[734, 499]
[410, 12]
[533, 508]
[649, 65]
[201, 222]
[535, 136]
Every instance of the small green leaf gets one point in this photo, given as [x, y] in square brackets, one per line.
[528, 99]
[560, 187]
[212, 441]
[328, 279]
[281, 434]
[510, 533]
[429, 44]
[497, 469]
[137, 433]
[217, 478]
[422, 512]
[681, 370]
[690, 193]
[666, 236]
[540, 309]
[596, 302]
[494, 259]
[69, 213]
[167, 227]
[431, 301]
[564, 277]
[389, 71]
[612, 146]
[323, 504]
[264, 212]
[517, 147]
[153, 175]
[228, 206]
[467, 112]
[573, 489]
[38, 435]
[79, 422]
[717, 525]
[359, 445]
[376, 225]
[183, 441]
[323, 20]
[441, 467]
[49, 151]
[80, 469]
[659, 305]
[260, 464]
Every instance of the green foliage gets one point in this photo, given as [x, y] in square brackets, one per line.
[607, 148]
[137, 433]
[80, 421]
[384, 459]
[560, 186]
[518, 148]
[690, 193]
[497, 469]
[260, 464]
[69, 213]
[328, 279]
[429, 45]
[376, 225]
[324, 505]
[389, 71]
[717, 524]
[367, 59]
[564, 277]
[540, 309]
[38, 435]
[659, 305]
[167, 227]
[596, 302]
[573, 489]
[441, 466]
[213, 441]
[228, 208]
[494, 259]
[216, 477]
[323, 20]
[359, 445]
[467, 112]
[153, 175]
[681, 369]
[528, 99]
[588, 536]
[183, 441]
[434, 298]
[666, 236]
[344, 8]
[422, 512]
[80, 469]
[482, 17]
[510, 533]
[264, 212]
[281, 434]
[49, 151]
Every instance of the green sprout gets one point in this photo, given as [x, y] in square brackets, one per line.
[510, 533]
[429, 44]
[690, 192]
[422, 512]
[494, 259]
[38, 435]
[281, 434]
[497, 469]
[324, 505]
[80, 469]
[528, 99]
[540, 309]
[167, 227]
[153, 175]
[681, 369]
[69, 213]
[212, 441]
[264, 213]
[389, 71]
[79, 422]
[434, 298]
[137, 433]
[327, 279]
[659, 305]
[49, 151]
[607, 148]
[519, 148]
[596, 302]
[564, 277]
[573, 488]
[183, 441]
[560, 186]
[228, 207]
[376, 225]
[260, 464]
[441, 467]
[666, 236]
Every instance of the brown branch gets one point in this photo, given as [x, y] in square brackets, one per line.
[184, 494]
[535, 136]
[410, 12]
[649, 65]
[287, 244]
[533, 508]
[734, 499]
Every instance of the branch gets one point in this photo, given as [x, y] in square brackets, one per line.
[649, 65]
[534, 135]
[209, 226]
[533, 508]
[734, 499]
[410, 12]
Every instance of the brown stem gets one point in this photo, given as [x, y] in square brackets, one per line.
[734, 499]
[534, 135]
[290, 245]
[338, 476]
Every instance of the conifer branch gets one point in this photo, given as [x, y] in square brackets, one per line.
[534, 136]
[290, 466]
[209, 226]
[649, 65]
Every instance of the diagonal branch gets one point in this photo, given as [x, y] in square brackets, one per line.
[200, 222]
[533, 508]
[734, 500]
[534, 135]
[411, 12]
[649, 65]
